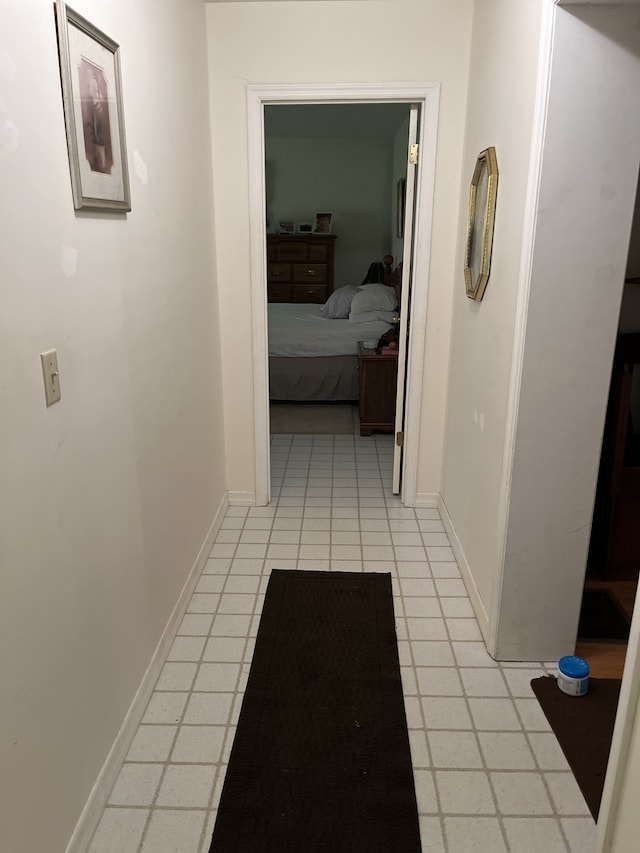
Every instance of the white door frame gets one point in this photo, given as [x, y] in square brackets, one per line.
[426, 95]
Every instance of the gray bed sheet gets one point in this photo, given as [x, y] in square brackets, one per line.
[329, 378]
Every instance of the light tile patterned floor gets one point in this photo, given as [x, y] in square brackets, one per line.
[489, 774]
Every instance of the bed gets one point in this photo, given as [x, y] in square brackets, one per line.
[313, 349]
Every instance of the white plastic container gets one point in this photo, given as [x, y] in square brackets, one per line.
[573, 675]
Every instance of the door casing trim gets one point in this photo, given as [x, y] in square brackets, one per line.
[426, 96]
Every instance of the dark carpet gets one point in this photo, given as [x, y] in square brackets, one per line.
[321, 759]
[601, 617]
[583, 726]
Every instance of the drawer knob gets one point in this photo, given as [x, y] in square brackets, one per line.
[311, 272]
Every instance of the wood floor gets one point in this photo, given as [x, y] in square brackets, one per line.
[606, 660]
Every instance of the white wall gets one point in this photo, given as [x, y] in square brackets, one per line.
[361, 41]
[106, 497]
[502, 85]
[347, 177]
[579, 261]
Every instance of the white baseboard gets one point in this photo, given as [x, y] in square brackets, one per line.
[429, 500]
[242, 498]
[465, 571]
[97, 800]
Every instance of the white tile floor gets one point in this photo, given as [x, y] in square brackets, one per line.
[489, 774]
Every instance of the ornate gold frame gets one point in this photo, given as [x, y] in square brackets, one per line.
[482, 209]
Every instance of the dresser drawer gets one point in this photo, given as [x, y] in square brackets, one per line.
[292, 252]
[319, 253]
[279, 272]
[310, 273]
[279, 292]
[309, 293]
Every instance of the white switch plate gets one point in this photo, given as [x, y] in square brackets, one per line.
[49, 361]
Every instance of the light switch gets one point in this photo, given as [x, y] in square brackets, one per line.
[49, 361]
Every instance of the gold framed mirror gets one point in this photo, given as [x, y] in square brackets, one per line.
[482, 209]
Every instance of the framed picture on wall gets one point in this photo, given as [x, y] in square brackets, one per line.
[400, 201]
[93, 113]
[322, 223]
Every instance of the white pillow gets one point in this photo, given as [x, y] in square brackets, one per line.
[373, 298]
[374, 316]
[338, 305]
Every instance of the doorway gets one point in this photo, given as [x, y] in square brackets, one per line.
[259, 97]
[613, 564]
[344, 160]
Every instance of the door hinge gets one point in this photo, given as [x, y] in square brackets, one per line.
[413, 153]
[400, 439]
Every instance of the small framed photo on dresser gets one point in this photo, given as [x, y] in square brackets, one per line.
[286, 226]
[305, 227]
[322, 223]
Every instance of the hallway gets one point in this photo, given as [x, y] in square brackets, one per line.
[489, 774]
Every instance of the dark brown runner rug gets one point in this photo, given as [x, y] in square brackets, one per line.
[321, 759]
[583, 726]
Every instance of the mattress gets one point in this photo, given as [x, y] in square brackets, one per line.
[299, 329]
[328, 378]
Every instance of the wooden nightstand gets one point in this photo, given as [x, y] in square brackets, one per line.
[378, 378]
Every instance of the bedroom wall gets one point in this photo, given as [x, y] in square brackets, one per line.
[359, 41]
[348, 177]
[502, 87]
[107, 496]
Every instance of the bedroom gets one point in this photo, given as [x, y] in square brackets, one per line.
[347, 160]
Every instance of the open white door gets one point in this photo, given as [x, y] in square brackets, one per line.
[403, 329]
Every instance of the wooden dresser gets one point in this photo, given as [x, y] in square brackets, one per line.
[300, 267]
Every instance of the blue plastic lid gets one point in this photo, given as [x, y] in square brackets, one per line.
[573, 666]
